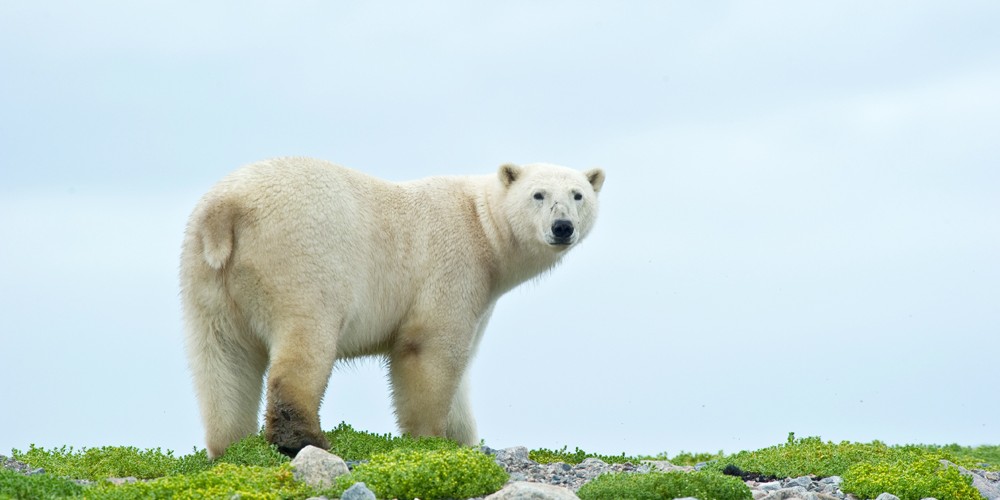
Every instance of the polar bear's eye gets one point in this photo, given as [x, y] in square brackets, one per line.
[539, 196]
[577, 196]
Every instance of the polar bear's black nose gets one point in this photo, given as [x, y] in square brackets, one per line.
[562, 229]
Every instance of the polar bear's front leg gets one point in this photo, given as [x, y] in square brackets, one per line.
[426, 367]
[461, 424]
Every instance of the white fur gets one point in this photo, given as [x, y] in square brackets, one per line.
[291, 264]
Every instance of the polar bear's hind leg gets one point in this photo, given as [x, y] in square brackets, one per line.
[301, 362]
[228, 375]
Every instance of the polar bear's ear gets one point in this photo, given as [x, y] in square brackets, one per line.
[596, 178]
[509, 173]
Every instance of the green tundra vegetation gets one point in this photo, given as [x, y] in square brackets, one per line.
[428, 468]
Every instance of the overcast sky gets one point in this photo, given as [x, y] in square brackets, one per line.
[799, 231]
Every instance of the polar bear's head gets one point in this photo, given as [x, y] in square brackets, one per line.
[551, 206]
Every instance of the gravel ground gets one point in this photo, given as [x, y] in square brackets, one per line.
[516, 462]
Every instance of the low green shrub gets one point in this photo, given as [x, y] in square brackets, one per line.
[253, 450]
[868, 469]
[407, 474]
[811, 455]
[986, 457]
[546, 456]
[909, 480]
[800, 457]
[687, 458]
[659, 485]
[246, 482]
[407, 467]
[15, 486]
[109, 461]
[351, 444]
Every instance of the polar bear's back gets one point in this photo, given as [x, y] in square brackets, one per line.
[291, 208]
[296, 236]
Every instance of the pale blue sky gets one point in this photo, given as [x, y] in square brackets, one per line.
[799, 229]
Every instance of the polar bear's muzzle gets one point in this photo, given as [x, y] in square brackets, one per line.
[562, 232]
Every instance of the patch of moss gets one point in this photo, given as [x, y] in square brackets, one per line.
[109, 461]
[407, 474]
[868, 469]
[222, 481]
[909, 480]
[14, 486]
[687, 458]
[253, 450]
[658, 485]
[546, 456]
[351, 444]
[407, 467]
[811, 455]
[987, 457]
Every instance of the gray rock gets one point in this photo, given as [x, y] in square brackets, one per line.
[804, 481]
[122, 480]
[20, 467]
[513, 455]
[787, 493]
[522, 490]
[593, 462]
[561, 466]
[772, 486]
[358, 491]
[887, 496]
[987, 487]
[317, 467]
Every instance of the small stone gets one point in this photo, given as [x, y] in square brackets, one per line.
[836, 480]
[533, 491]
[787, 493]
[516, 454]
[803, 481]
[593, 462]
[887, 496]
[351, 464]
[118, 481]
[317, 467]
[358, 491]
[772, 486]
[561, 466]
[830, 489]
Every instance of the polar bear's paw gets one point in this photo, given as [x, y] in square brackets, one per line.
[291, 430]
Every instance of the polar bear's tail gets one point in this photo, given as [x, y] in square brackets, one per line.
[216, 231]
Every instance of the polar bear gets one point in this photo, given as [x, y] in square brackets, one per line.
[290, 264]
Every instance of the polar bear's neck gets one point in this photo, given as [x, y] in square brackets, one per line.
[512, 260]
